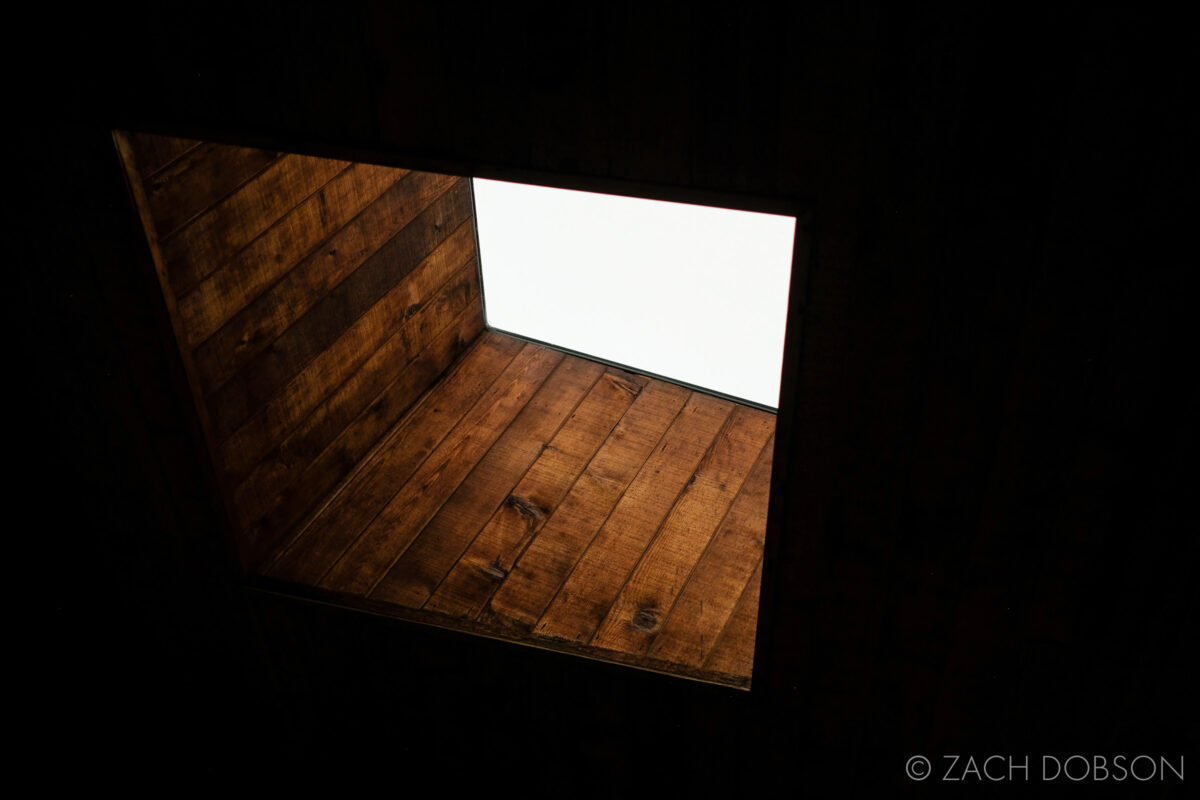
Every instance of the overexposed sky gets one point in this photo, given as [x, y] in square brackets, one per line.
[693, 293]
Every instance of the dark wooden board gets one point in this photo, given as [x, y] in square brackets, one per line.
[328, 536]
[534, 579]
[237, 283]
[650, 591]
[589, 591]
[199, 179]
[155, 152]
[495, 550]
[334, 365]
[255, 328]
[387, 537]
[714, 587]
[204, 245]
[416, 575]
[427, 341]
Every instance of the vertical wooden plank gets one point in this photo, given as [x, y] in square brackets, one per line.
[650, 591]
[489, 559]
[734, 652]
[200, 248]
[712, 592]
[323, 542]
[238, 282]
[539, 572]
[414, 577]
[428, 283]
[593, 585]
[390, 533]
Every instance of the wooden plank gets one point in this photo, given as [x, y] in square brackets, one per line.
[417, 573]
[255, 329]
[734, 652]
[319, 327]
[430, 333]
[387, 537]
[233, 287]
[712, 592]
[470, 584]
[200, 248]
[545, 564]
[153, 152]
[338, 362]
[649, 594]
[315, 550]
[198, 180]
[344, 453]
[588, 593]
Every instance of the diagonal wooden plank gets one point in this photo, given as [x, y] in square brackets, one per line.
[342, 456]
[439, 545]
[593, 585]
[226, 291]
[390, 533]
[651, 589]
[197, 180]
[734, 651]
[546, 563]
[431, 334]
[417, 435]
[395, 314]
[200, 248]
[491, 556]
[153, 152]
[714, 587]
[319, 327]
[256, 327]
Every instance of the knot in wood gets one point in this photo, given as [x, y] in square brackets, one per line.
[646, 619]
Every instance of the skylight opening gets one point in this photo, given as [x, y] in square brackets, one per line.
[695, 294]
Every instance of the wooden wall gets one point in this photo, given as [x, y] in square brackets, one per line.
[985, 438]
[313, 301]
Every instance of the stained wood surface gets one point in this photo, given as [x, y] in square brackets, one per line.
[556, 501]
[314, 302]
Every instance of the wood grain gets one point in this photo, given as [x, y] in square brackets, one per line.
[256, 327]
[155, 152]
[734, 652]
[650, 591]
[391, 532]
[562, 492]
[594, 584]
[319, 327]
[293, 238]
[533, 581]
[454, 260]
[199, 179]
[470, 584]
[407, 447]
[202, 246]
[415, 576]
[427, 341]
[314, 302]
[710, 597]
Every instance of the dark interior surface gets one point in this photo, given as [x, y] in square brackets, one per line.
[985, 432]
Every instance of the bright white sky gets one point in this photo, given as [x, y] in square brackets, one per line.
[693, 293]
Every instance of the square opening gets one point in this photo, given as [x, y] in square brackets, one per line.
[379, 445]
